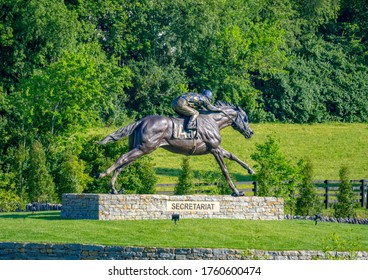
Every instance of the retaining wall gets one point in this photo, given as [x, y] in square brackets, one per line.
[139, 207]
[31, 251]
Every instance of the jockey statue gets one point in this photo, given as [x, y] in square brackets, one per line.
[189, 103]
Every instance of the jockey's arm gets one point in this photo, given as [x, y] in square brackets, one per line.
[210, 107]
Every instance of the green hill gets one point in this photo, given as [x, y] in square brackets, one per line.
[328, 146]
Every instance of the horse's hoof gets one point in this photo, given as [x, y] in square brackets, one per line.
[251, 171]
[99, 175]
[122, 191]
[113, 191]
[237, 194]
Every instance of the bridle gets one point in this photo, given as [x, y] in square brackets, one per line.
[234, 122]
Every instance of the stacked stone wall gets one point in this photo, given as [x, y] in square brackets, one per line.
[139, 207]
[31, 251]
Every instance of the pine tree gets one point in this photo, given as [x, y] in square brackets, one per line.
[40, 185]
[185, 180]
[71, 176]
[345, 205]
[307, 203]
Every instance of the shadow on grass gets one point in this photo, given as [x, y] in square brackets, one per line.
[46, 215]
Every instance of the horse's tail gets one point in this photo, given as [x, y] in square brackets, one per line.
[120, 133]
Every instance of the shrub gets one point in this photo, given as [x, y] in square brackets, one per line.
[139, 177]
[185, 181]
[274, 171]
[345, 205]
[71, 176]
[97, 159]
[308, 202]
[9, 200]
[217, 180]
[40, 184]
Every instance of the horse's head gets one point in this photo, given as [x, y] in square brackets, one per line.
[238, 117]
[241, 123]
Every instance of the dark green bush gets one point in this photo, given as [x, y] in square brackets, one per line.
[345, 206]
[307, 203]
[185, 181]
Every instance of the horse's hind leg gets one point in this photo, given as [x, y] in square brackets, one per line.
[115, 176]
[124, 159]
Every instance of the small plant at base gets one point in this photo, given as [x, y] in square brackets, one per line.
[344, 208]
[185, 181]
[251, 244]
[140, 177]
[275, 174]
[307, 203]
[336, 248]
[40, 185]
[273, 168]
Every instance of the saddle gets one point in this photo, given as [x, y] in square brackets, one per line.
[179, 131]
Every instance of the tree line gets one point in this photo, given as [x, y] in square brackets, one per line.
[66, 66]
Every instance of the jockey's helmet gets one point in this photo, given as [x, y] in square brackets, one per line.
[207, 93]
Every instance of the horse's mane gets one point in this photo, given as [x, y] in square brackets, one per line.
[220, 103]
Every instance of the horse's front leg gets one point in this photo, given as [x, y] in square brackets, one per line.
[219, 156]
[233, 157]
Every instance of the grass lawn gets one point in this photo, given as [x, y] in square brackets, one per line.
[328, 146]
[47, 227]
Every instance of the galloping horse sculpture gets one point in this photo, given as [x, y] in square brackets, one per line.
[152, 132]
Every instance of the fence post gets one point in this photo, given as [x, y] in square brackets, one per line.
[362, 193]
[326, 194]
[255, 189]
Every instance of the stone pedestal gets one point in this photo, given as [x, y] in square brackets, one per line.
[140, 207]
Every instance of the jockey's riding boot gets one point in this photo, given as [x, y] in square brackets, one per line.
[191, 126]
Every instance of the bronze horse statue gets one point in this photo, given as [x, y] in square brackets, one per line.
[152, 132]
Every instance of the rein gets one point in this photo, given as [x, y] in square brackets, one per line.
[233, 120]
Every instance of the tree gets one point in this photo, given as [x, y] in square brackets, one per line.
[174, 45]
[73, 93]
[9, 199]
[314, 88]
[4, 110]
[185, 180]
[275, 175]
[154, 87]
[345, 206]
[71, 175]
[274, 171]
[326, 73]
[36, 33]
[307, 203]
[40, 185]
[139, 177]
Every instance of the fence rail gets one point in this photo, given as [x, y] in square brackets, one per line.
[327, 190]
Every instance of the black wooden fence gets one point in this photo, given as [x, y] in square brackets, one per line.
[326, 189]
[331, 187]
